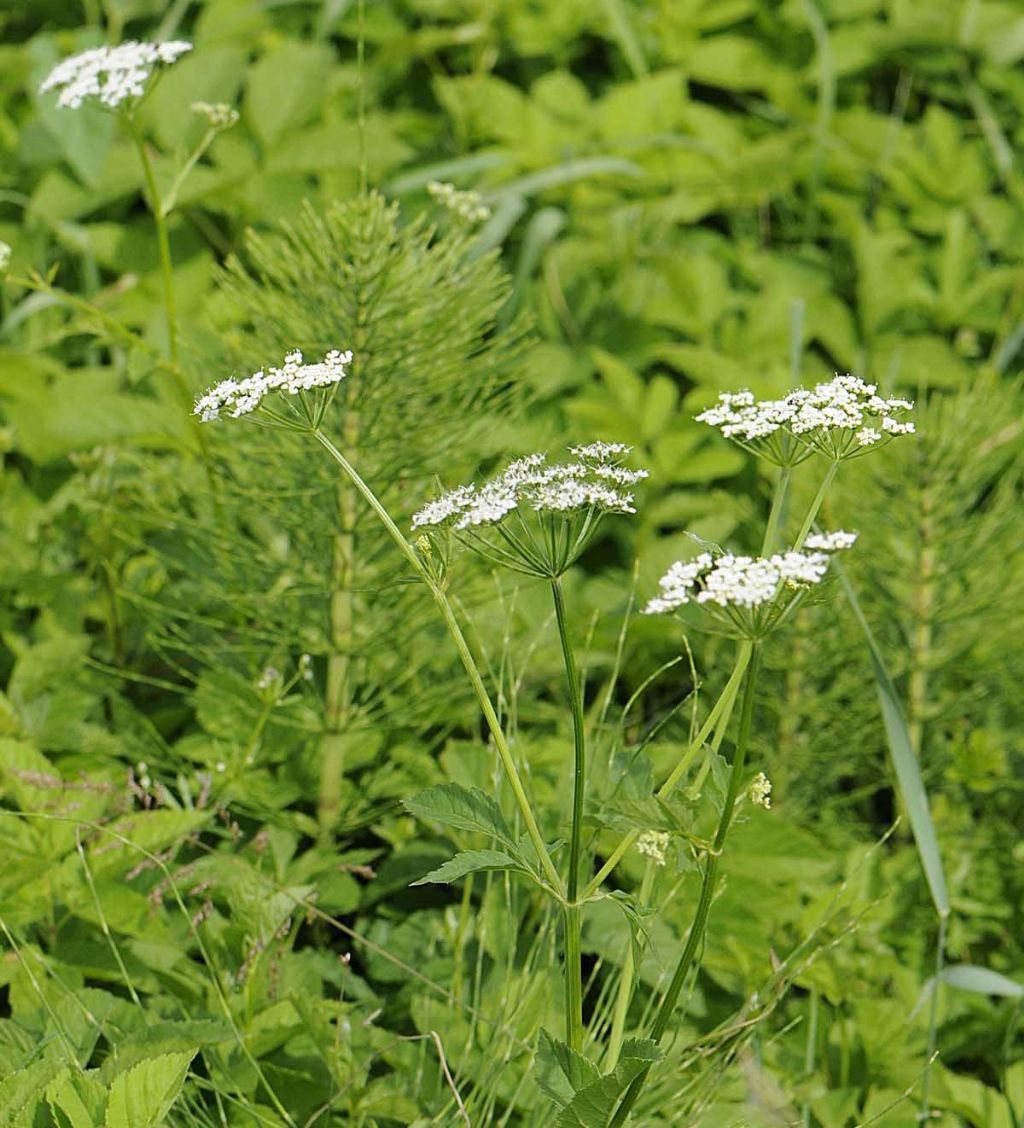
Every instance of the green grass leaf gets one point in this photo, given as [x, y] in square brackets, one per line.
[908, 771]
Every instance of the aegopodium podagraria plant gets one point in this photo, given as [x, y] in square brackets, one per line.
[536, 517]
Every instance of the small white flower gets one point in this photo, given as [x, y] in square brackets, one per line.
[466, 205]
[219, 114]
[736, 587]
[565, 499]
[111, 75]
[600, 451]
[760, 791]
[531, 481]
[240, 397]
[5, 256]
[837, 541]
[868, 436]
[653, 844]
[268, 678]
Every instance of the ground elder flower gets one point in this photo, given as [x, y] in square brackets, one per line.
[653, 844]
[552, 510]
[840, 419]
[110, 75]
[748, 594]
[241, 397]
[468, 205]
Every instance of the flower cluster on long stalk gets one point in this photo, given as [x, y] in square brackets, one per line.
[537, 517]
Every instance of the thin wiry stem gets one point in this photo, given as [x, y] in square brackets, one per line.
[698, 929]
[164, 249]
[573, 963]
[466, 656]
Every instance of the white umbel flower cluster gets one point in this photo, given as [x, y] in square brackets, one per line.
[110, 75]
[466, 205]
[5, 256]
[739, 585]
[240, 397]
[653, 844]
[840, 418]
[592, 482]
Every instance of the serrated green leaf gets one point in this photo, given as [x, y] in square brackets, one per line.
[466, 808]
[142, 1096]
[77, 1098]
[560, 1071]
[22, 1091]
[469, 861]
[592, 1106]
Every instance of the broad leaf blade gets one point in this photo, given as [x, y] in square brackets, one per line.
[142, 1096]
[466, 808]
[593, 1105]
[560, 1071]
[469, 861]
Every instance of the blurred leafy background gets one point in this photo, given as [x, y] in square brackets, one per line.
[687, 197]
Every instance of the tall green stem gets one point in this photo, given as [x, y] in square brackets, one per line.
[573, 961]
[779, 497]
[698, 930]
[465, 655]
[819, 497]
[163, 243]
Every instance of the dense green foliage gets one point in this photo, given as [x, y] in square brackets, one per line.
[218, 685]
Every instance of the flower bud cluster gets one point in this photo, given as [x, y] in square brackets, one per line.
[240, 397]
[110, 75]
[468, 205]
[653, 844]
[219, 114]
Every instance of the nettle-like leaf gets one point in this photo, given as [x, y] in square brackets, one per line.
[588, 1098]
[76, 1099]
[142, 1096]
[592, 1105]
[469, 861]
[466, 808]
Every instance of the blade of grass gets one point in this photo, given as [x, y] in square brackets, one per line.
[904, 762]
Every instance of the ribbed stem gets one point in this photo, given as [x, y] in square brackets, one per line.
[698, 930]
[465, 655]
[573, 959]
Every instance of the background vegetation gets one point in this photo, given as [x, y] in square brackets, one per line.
[207, 872]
